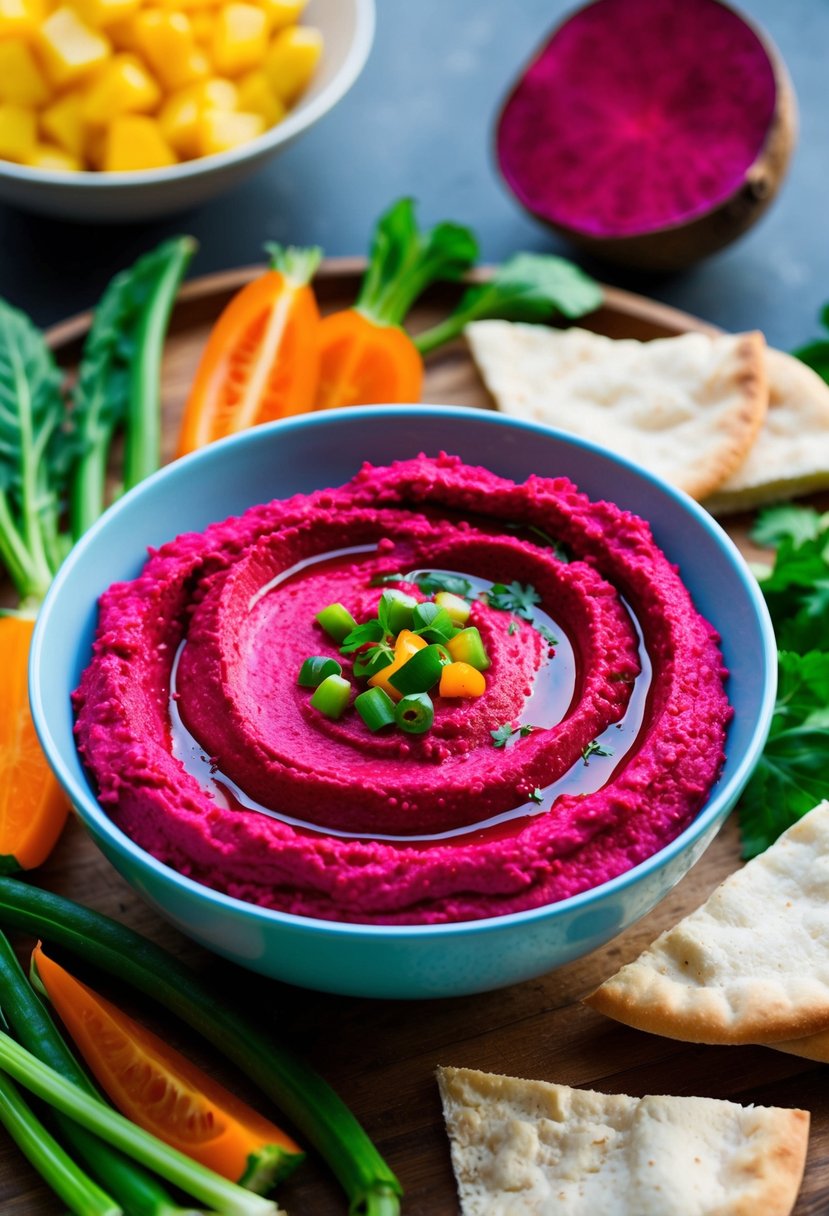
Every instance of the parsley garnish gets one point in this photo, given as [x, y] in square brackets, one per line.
[547, 634]
[380, 580]
[594, 748]
[514, 597]
[816, 354]
[371, 631]
[513, 628]
[504, 733]
[432, 581]
[537, 795]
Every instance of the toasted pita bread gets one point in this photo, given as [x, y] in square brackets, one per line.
[812, 1047]
[749, 966]
[790, 455]
[529, 1148]
[686, 408]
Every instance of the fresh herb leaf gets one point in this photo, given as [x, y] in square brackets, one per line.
[370, 631]
[513, 628]
[381, 580]
[528, 287]
[594, 748]
[502, 735]
[432, 581]
[514, 597]
[525, 730]
[816, 356]
[297, 264]
[547, 634]
[788, 522]
[537, 795]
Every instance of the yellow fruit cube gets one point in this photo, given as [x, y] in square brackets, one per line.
[178, 121]
[50, 156]
[69, 48]
[63, 122]
[21, 80]
[123, 86]
[215, 93]
[222, 130]
[202, 23]
[283, 12]
[19, 16]
[102, 13]
[166, 41]
[292, 59]
[124, 34]
[135, 142]
[257, 97]
[18, 131]
[240, 38]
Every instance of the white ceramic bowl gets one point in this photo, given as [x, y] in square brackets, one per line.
[348, 30]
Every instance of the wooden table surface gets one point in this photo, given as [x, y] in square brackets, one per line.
[381, 1055]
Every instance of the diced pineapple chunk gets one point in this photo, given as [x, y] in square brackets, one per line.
[19, 16]
[50, 156]
[21, 80]
[215, 93]
[283, 12]
[124, 34]
[69, 48]
[222, 130]
[18, 131]
[240, 38]
[257, 97]
[178, 120]
[291, 60]
[202, 23]
[63, 122]
[135, 142]
[103, 13]
[123, 86]
[166, 41]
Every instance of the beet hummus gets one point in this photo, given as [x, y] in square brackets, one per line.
[596, 741]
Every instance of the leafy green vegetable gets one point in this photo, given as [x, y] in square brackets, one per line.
[816, 354]
[502, 734]
[792, 774]
[528, 287]
[119, 376]
[432, 581]
[547, 634]
[513, 628]
[35, 456]
[513, 597]
[594, 748]
[369, 631]
[537, 795]
[404, 261]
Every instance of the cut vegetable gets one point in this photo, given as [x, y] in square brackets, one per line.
[415, 713]
[467, 647]
[375, 707]
[261, 361]
[420, 673]
[316, 669]
[337, 621]
[331, 696]
[461, 680]
[649, 132]
[163, 1092]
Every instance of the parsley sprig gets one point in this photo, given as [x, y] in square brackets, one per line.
[514, 597]
[594, 748]
[502, 734]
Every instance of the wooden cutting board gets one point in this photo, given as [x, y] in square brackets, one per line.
[381, 1055]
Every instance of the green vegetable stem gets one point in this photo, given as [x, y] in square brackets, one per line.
[312, 1106]
[528, 287]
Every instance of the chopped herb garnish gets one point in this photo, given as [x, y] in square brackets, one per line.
[514, 597]
[537, 795]
[525, 730]
[371, 631]
[594, 748]
[430, 581]
[504, 733]
[513, 628]
[547, 634]
[381, 580]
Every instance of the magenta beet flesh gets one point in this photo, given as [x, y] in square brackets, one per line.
[638, 115]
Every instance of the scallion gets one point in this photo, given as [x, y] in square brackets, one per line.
[337, 621]
[395, 610]
[316, 669]
[376, 708]
[331, 697]
[415, 713]
[419, 673]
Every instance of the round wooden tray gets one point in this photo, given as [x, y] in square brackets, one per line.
[381, 1055]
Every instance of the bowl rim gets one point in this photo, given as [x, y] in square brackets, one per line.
[297, 120]
[718, 803]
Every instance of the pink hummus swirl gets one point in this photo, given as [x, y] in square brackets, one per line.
[292, 810]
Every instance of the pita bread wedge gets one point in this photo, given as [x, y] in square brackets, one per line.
[686, 408]
[751, 965]
[790, 455]
[812, 1047]
[533, 1148]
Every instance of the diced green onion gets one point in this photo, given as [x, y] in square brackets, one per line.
[376, 708]
[396, 609]
[331, 697]
[419, 673]
[457, 607]
[415, 713]
[337, 621]
[432, 622]
[467, 647]
[316, 669]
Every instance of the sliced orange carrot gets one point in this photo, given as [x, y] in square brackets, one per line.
[162, 1091]
[363, 363]
[33, 807]
[261, 361]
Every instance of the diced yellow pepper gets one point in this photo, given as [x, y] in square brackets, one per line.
[50, 156]
[123, 86]
[407, 644]
[63, 122]
[222, 130]
[18, 132]
[19, 16]
[202, 23]
[240, 38]
[283, 12]
[135, 142]
[291, 60]
[21, 80]
[103, 13]
[257, 97]
[461, 680]
[69, 48]
[166, 41]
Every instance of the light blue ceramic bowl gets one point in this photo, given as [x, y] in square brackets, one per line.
[317, 450]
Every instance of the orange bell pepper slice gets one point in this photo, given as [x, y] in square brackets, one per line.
[261, 361]
[362, 363]
[33, 807]
[162, 1091]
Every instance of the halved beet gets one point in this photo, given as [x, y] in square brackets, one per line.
[650, 132]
